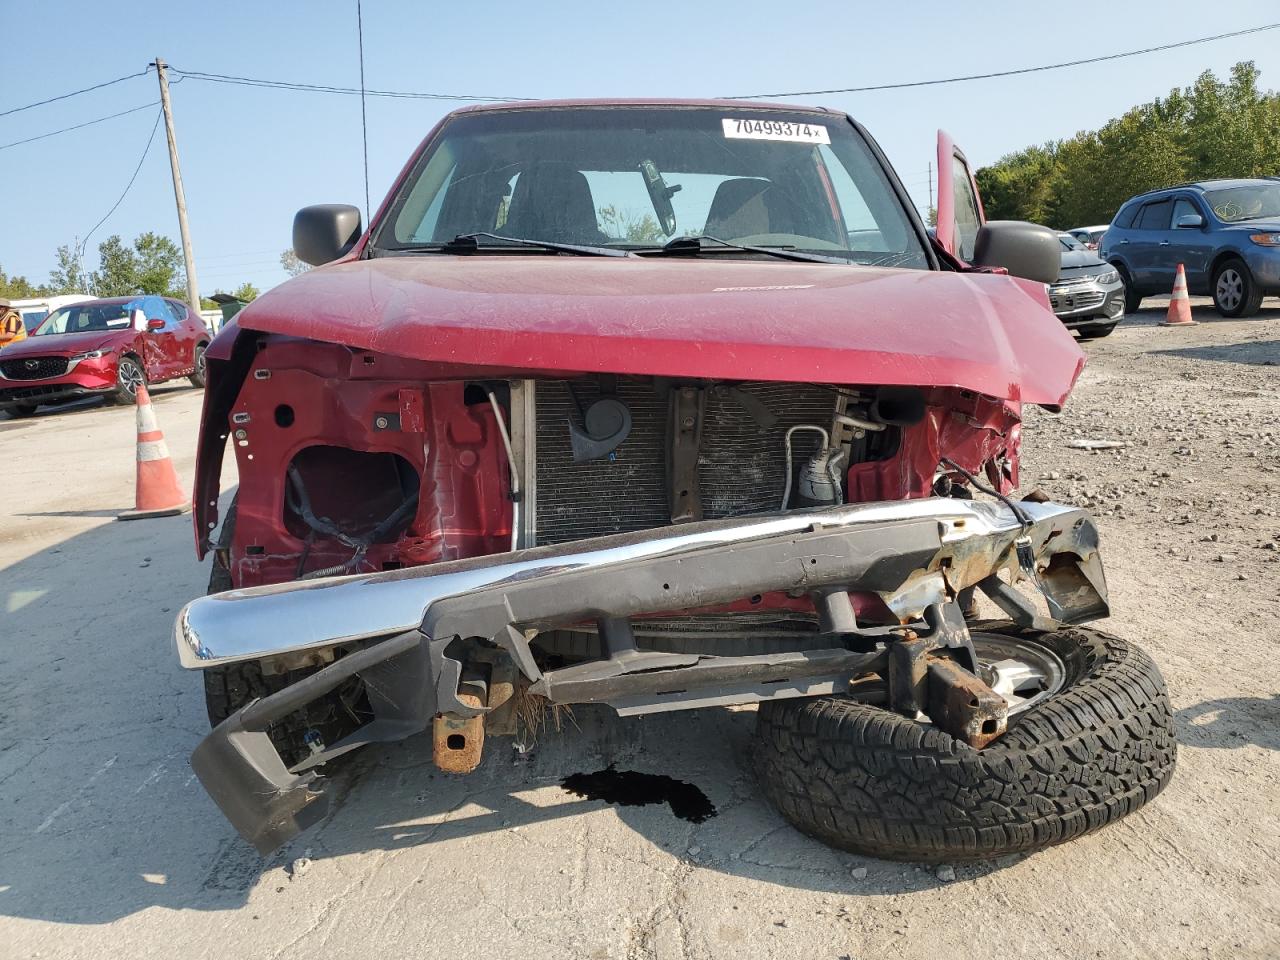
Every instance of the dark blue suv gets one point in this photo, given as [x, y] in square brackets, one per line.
[1225, 232]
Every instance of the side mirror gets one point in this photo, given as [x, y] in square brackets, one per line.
[1026, 250]
[1190, 220]
[155, 323]
[325, 232]
[138, 319]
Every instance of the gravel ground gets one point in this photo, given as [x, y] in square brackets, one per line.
[108, 846]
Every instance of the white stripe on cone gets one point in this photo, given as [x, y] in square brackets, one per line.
[147, 418]
[152, 450]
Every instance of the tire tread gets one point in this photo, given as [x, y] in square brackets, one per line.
[864, 779]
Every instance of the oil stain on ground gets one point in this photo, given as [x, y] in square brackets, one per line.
[627, 788]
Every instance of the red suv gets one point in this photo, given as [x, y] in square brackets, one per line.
[663, 406]
[103, 348]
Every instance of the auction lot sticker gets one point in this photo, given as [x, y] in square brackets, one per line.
[737, 129]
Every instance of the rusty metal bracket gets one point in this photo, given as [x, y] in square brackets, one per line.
[458, 742]
[907, 672]
[688, 406]
[960, 704]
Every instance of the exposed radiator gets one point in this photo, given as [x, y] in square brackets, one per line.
[741, 467]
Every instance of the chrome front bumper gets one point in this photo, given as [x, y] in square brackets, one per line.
[969, 541]
[399, 629]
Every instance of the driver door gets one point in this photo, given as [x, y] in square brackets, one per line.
[153, 343]
[960, 213]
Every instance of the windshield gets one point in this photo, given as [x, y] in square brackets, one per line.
[1254, 202]
[85, 317]
[638, 177]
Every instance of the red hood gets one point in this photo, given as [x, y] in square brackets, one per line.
[66, 344]
[732, 320]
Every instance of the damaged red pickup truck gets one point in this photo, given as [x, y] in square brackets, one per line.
[665, 405]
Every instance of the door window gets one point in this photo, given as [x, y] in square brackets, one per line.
[1127, 215]
[1183, 207]
[966, 209]
[1155, 215]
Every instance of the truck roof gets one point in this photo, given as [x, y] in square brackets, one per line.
[641, 102]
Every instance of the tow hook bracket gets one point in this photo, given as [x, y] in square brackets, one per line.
[908, 674]
[962, 705]
[457, 743]
[932, 677]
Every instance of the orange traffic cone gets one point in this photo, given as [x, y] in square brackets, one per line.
[1179, 304]
[158, 493]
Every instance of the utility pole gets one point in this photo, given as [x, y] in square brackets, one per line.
[930, 183]
[193, 288]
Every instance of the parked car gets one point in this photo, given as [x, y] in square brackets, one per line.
[1089, 237]
[1226, 233]
[35, 309]
[1088, 296]
[103, 348]
[661, 406]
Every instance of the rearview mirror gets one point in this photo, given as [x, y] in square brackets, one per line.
[155, 323]
[1026, 250]
[1192, 220]
[325, 232]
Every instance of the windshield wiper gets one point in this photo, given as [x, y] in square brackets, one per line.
[470, 243]
[684, 245]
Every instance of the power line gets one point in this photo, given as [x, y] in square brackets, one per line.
[238, 253]
[145, 150]
[74, 93]
[364, 123]
[78, 126]
[1013, 73]
[327, 88]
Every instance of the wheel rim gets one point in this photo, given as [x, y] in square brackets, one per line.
[130, 377]
[1023, 673]
[199, 361]
[1230, 289]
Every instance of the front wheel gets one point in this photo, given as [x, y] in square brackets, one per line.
[1132, 299]
[1097, 330]
[1235, 292]
[1090, 740]
[197, 377]
[129, 376]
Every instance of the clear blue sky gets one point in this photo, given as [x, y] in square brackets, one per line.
[251, 157]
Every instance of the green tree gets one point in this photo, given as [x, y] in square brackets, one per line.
[160, 268]
[117, 273]
[18, 287]
[68, 276]
[627, 225]
[246, 292]
[291, 264]
[1213, 128]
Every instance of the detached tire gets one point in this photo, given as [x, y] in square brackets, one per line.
[864, 779]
